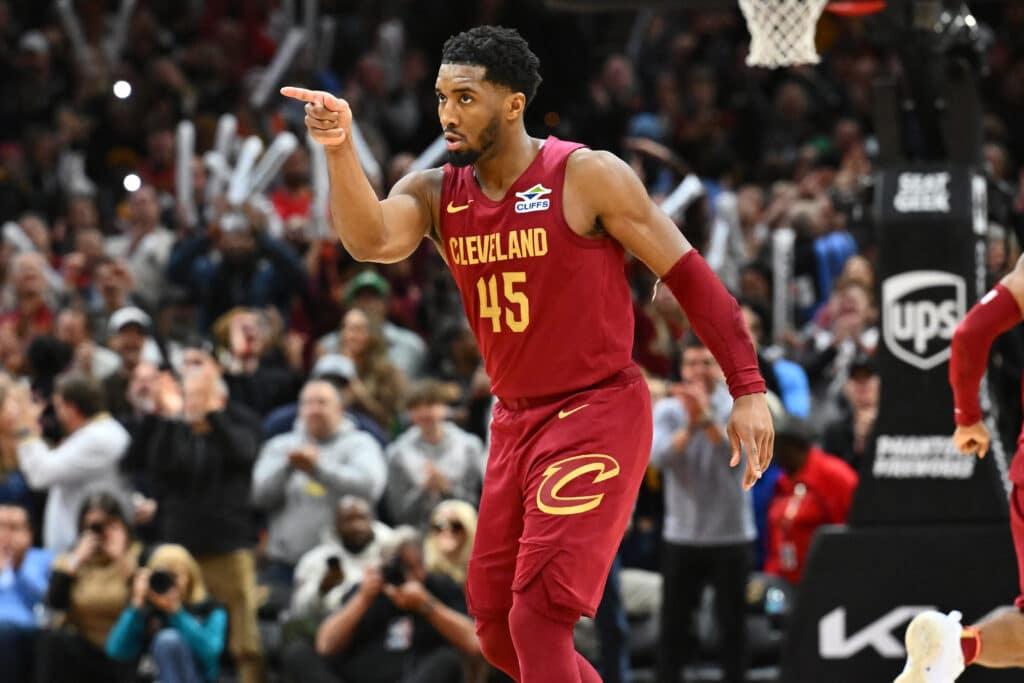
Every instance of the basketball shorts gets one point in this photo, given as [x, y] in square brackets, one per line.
[559, 489]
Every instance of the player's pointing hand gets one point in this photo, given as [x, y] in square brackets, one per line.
[328, 118]
[750, 425]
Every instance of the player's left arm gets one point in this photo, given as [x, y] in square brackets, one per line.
[613, 197]
[998, 311]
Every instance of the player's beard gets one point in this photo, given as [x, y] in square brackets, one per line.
[471, 156]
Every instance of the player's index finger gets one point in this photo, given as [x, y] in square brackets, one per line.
[302, 94]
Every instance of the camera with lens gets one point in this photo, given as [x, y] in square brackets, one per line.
[393, 572]
[96, 528]
[161, 581]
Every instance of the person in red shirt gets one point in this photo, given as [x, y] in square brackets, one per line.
[815, 488]
[535, 234]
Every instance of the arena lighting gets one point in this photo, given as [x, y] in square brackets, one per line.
[122, 90]
[132, 182]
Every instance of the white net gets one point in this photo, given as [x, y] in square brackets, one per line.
[782, 31]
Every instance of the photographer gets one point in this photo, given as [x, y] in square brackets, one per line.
[90, 586]
[400, 623]
[172, 618]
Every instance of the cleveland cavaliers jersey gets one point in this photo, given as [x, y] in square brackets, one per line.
[551, 310]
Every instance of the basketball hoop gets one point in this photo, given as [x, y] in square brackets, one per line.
[782, 31]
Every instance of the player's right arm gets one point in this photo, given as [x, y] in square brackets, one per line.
[998, 311]
[383, 231]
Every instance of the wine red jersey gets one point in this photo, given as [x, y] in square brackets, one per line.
[551, 310]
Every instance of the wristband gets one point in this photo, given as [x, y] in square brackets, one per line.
[716, 318]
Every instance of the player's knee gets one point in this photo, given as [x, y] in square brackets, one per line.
[496, 642]
[532, 604]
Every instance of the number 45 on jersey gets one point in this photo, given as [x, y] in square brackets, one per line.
[514, 304]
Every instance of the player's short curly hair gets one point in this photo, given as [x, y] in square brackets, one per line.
[505, 55]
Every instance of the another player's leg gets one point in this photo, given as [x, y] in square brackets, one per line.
[999, 641]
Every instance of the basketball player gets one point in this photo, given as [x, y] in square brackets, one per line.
[938, 649]
[534, 232]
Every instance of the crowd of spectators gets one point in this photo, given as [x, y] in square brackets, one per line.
[228, 451]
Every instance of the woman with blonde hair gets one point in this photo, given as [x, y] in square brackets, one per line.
[172, 617]
[447, 548]
[378, 386]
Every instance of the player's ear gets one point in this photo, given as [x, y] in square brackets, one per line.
[515, 105]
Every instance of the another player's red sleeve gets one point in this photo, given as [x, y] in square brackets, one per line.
[994, 314]
[716, 318]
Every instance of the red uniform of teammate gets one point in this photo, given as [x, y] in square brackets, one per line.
[937, 651]
[534, 233]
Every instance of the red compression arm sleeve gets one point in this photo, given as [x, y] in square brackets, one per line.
[994, 314]
[716, 318]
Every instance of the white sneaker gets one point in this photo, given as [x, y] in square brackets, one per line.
[933, 649]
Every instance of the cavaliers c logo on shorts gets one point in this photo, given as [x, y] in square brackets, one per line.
[558, 475]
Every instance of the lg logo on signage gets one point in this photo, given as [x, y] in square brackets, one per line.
[920, 310]
[922, 193]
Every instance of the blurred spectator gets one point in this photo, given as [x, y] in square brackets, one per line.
[13, 488]
[111, 291]
[356, 541]
[129, 337]
[253, 377]
[339, 371]
[90, 586]
[432, 460]
[233, 265]
[844, 329]
[300, 476]
[85, 460]
[849, 430]
[144, 244]
[400, 623]
[173, 619]
[293, 198]
[201, 449]
[450, 539]
[815, 489]
[24, 575]
[784, 378]
[709, 526]
[369, 292]
[29, 309]
[90, 359]
[377, 389]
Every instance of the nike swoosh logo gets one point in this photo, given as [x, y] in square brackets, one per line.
[455, 209]
[562, 414]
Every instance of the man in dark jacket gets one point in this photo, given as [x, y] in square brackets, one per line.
[201, 449]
